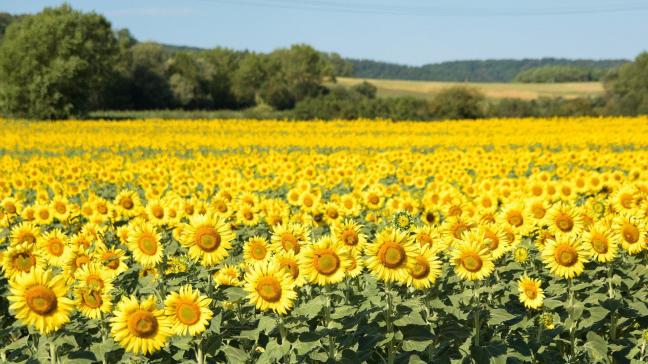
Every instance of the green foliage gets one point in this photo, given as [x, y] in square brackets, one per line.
[503, 70]
[55, 64]
[627, 87]
[458, 103]
[554, 74]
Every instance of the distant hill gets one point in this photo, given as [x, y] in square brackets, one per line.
[497, 70]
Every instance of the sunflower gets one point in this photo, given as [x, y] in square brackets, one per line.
[356, 265]
[289, 238]
[431, 216]
[289, 262]
[350, 234]
[563, 219]
[188, 311]
[113, 260]
[602, 244]
[623, 199]
[256, 249]
[565, 256]
[492, 236]
[156, 212]
[537, 210]
[472, 260]
[428, 235]
[630, 232]
[391, 256]
[94, 276]
[521, 254]
[144, 242]
[270, 287]
[325, 261]
[92, 303]
[127, 203]
[37, 298]
[138, 326]
[25, 232]
[531, 295]
[454, 228]
[43, 214]
[425, 270]
[516, 216]
[21, 258]
[54, 247]
[247, 215]
[208, 238]
[227, 276]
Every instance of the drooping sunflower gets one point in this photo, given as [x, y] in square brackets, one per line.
[270, 287]
[228, 275]
[256, 250]
[472, 260]
[289, 237]
[289, 262]
[630, 231]
[325, 261]
[54, 247]
[208, 238]
[21, 258]
[92, 303]
[429, 235]
[144, 243]
[602, 243]
[37, 298]
[139, 326]
[25, 232]
[188, 311]
[391, 256]
[112, 259]
[492, 236]
[356, 265]
[425, 270]
[350, 234]
[565, 256]
[531, 294]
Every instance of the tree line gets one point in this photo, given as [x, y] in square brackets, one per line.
[64, 63]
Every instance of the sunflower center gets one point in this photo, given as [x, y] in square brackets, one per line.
[92, 299]
[24, 261]
[564, 222]
[373, 199]
[258, 251]
[425, 239]
[41, 300]
[11, 208]
[391, 255]
[127, 203]
[599, 244]
[143, 324]
[103, 209]
[28, 237]
[472, 262]
[94, 282]
[292, 268]
[269, 289]
[326, 263]
[421, 268]
[459, 229]
[530, 292]
[188, 313]
[630, 233]
[207, 238]
[158, 212]
[248, 215]
[147, 244]
[430, 217]
[566, 256]
[492, 239]
[626, 200]
[350, 237]
[44, 214]
[60, 207]
[538, 211]
[111, 260]
[289, 242]
[55, 247]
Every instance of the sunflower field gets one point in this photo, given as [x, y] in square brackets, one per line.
[504, 241]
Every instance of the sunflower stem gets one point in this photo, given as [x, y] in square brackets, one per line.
[104, 337]
[476, 308]
[539, 334]
[572, 328]
[200, 358]
[284, 336]
[52, 346]
[327, 318]
[613, 316]
[391, 355]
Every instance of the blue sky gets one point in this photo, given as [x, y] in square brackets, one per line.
[406, 31]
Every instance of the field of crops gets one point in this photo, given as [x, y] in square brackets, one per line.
[506, 241]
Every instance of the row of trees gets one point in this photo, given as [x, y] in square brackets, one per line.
[63, 63]
[555, 74]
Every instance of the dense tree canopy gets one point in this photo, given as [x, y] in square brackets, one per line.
[627, 87]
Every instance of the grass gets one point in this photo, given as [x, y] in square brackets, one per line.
[527, 91]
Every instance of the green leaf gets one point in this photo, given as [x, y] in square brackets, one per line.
[498, 316]
[267, 324]
[413, 345]
[414, 318]
[596, 347]
[235, 355]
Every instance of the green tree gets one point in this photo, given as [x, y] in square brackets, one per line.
[627, 87]
[55, 64]
[147, 71]
[458, 103]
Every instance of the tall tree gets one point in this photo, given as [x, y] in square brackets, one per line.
[56, 63]
[627, 87]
